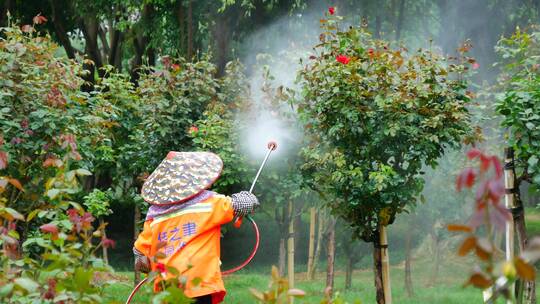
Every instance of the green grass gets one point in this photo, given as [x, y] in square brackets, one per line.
[447, 289]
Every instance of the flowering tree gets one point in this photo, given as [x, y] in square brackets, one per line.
[375, 115]
[519, 104]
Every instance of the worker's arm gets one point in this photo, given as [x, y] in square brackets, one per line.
[244, 203]
[141, 249]
[226, 208]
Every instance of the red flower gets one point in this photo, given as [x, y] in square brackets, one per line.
[38, 19]
[332, 10]
[193, 129]
[343, 59]
[108, 243]
[371, 52]
[160, 267]
[176, 67]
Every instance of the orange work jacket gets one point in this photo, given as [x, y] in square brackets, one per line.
[192, 237]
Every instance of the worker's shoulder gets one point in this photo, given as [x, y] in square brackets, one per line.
[216, 197]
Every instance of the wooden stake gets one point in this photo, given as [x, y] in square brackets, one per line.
[385, 265]
[311, 249]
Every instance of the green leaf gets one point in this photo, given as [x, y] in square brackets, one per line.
[533, 162]
[53, 193]
[6, 290]
[27, 284]
[83, 172]
[14, 214]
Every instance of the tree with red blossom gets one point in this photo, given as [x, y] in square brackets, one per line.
[372, 127]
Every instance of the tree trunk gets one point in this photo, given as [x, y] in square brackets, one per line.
[526, 289]
[436, 259]
[59, 28]
[190, 31]
[181, 27]
[331, 256]
[401, 16]
[282, 256]
[136, 220]
[377, 270]
[378, 25]
[115, 50]
[221, 34]
[408, 257]
[104, 236]
[318, 246]
[311, 247]
[140, 44]
[348, 272]
[90, 28]
[290, 249]
[282, 221]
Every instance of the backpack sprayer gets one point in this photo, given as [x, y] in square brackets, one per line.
[271, 146]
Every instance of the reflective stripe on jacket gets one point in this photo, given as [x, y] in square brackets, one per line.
[191, 239]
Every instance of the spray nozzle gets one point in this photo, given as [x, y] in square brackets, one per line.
[272, 145]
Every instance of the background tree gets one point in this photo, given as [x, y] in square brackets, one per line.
[386, 113]
[519, 104]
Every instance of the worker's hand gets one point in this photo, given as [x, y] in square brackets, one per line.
[244, 203]
[142, 263]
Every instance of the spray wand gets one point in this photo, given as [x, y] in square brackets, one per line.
[272, 146]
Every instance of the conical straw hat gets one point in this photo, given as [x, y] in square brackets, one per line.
[180, 176]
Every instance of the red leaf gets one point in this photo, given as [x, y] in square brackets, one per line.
[467, 245]
[473, 153]
[484, 163]
[49, 228]
[16, 184]
[479, 280]
[38, 19]
[459, 228]
[466, 178]
[3, 160]
[27, 28]
[525, 270]
[108, 243]
[498, 166]
[495, 190]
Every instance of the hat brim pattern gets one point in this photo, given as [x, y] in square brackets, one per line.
[181, 176]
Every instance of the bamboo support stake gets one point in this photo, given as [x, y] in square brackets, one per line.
[385, 261]
[509, 180]
[311, 249]
[509, 200]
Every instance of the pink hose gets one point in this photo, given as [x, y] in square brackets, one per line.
[226, 272]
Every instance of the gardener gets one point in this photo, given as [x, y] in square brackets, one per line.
[183, 222]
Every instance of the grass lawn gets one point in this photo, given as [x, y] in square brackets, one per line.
[447, 289]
